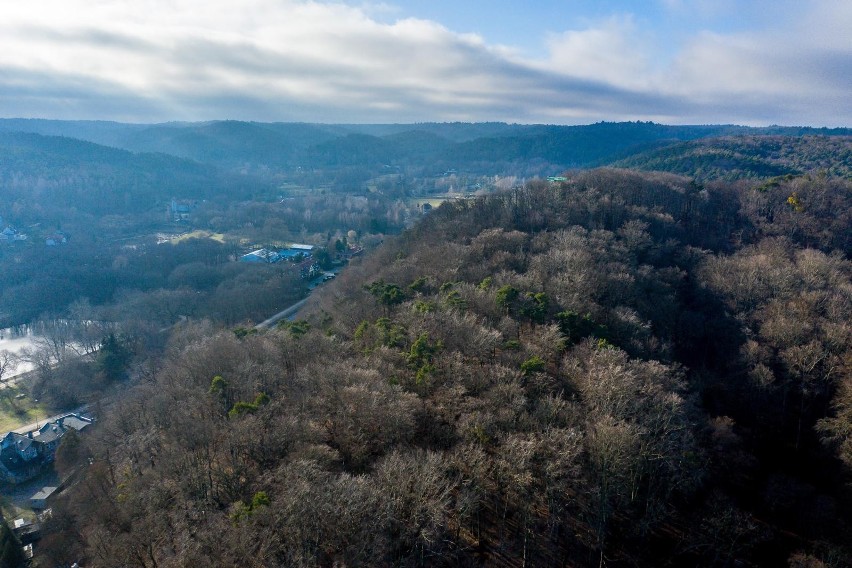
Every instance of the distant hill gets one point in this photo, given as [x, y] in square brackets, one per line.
[529, 150]
[481, 148]
[748, 157]
[102, 132]
[67, 172]
[232, 143]
[452, 131]
[224, 143]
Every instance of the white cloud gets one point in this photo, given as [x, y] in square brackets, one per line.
[799, 73]
[301, 60]
[615, 51]
[794, 74]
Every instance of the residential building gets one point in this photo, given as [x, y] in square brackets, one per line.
[23, 456]
[261, 255]
[39, 500]
[309, 269]
[180, 209]
[57, 238]
[12, 234]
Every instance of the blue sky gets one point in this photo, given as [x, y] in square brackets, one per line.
[565, 62]
[528, 24]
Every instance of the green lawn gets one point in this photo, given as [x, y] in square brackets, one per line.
[16, 412]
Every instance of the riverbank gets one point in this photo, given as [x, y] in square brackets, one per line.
[17, 340]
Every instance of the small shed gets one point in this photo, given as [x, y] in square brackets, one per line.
[39, 500]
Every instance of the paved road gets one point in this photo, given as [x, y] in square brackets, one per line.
[291, 311]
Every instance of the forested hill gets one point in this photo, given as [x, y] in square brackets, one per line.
[749, 157]
[623, 369]
[486, 148]
[61, 172]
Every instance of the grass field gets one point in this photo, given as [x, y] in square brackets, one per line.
[16, 412]
[220, 237]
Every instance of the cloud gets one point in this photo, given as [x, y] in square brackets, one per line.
[613, 51]
[155, 60]
[786, 73]
[793, 73]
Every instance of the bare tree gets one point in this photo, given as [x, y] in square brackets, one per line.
[8, 365]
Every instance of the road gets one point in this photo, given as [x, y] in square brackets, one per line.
[291, 311]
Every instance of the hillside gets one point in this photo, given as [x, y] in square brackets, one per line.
[624, 369]
[732, 158]
[60, 172]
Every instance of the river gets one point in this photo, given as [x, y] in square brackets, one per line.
[64, 335]
[15, 340]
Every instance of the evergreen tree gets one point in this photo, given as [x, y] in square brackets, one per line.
[114, 357]
[11, 554]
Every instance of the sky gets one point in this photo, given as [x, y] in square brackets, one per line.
[752, 62]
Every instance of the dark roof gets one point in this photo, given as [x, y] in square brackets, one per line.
[12, 461]
[49, 433]
[76, 421]
[21, 441]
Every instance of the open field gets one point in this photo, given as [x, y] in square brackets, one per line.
[199, 234]
[16, 412]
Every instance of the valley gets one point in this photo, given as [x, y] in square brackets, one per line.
[621, 344]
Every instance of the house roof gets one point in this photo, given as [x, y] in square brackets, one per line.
[263, 255]
[76, 421]
[56, 429]
[20, 523]
[12, 461]
[291, 253]
[20, 441]
[44, 493]
[48, 433]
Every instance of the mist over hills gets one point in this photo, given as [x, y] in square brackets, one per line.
[478, 148]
